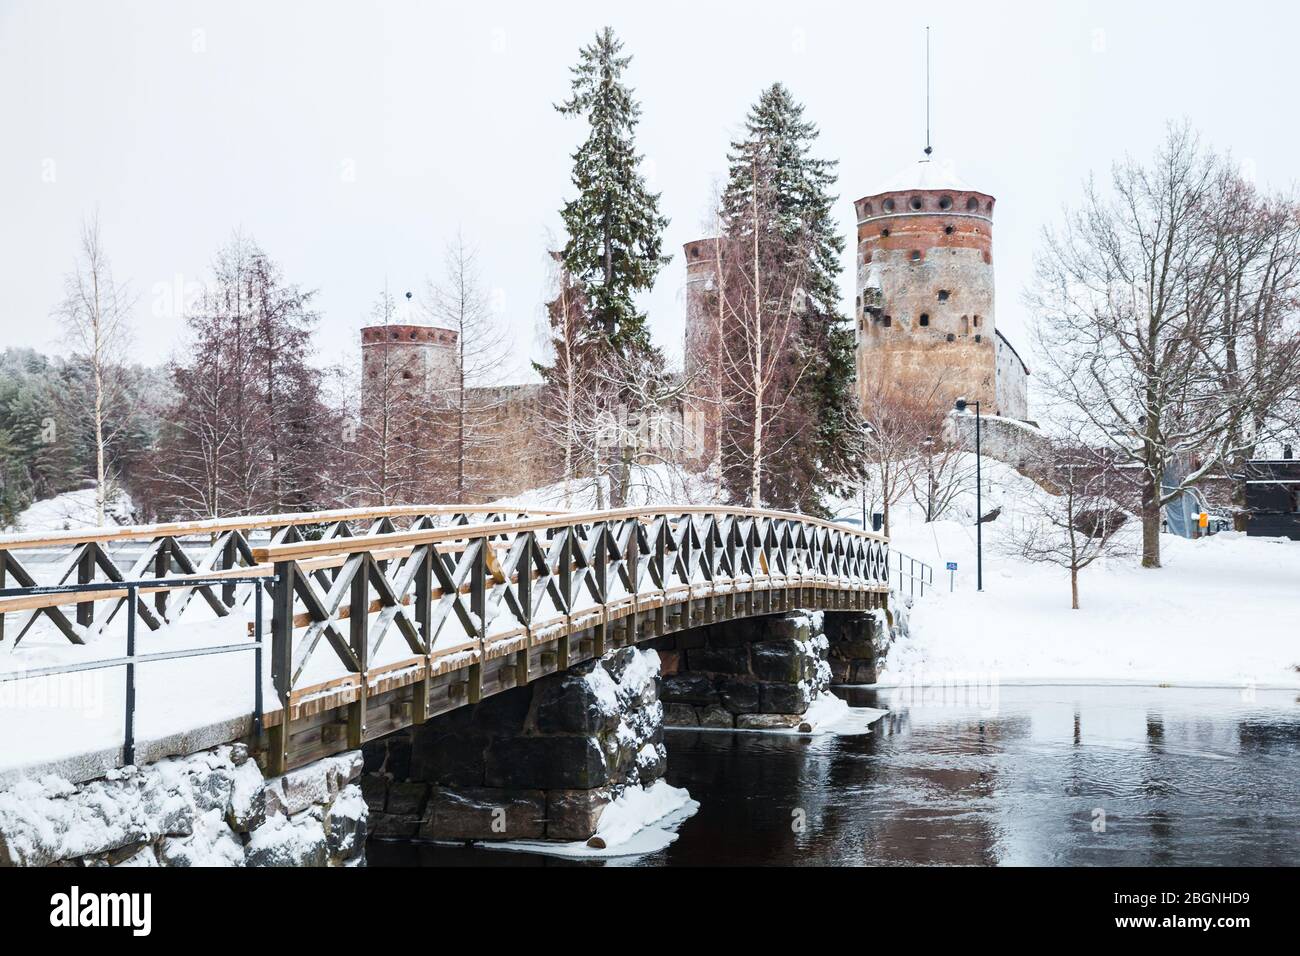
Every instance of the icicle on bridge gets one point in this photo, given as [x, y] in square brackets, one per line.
[378, 619]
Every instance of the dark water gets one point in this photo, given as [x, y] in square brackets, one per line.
[1009, 775]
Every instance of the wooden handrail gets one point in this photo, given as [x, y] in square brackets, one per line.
[34, 602]
[36, 540]
[309, 549]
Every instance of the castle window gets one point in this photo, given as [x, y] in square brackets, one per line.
[889, 205]
[965, 325]
[406, 374]
[948, 230]
[977, 321]
[916, 202]
[951, 337]
[972, 204]
[925, 318]
[943, 295]
[887, 321]
[884, 233]
[866, 209]
[979, 338]
[916, 255]
[945, 203]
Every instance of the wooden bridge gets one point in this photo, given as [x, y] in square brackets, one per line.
[383, 618]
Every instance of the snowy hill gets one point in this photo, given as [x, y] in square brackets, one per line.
[70, 511]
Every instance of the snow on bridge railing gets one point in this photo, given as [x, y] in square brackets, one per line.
[215, 547]
[461, 596]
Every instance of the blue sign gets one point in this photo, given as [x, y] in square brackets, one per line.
[952, 565]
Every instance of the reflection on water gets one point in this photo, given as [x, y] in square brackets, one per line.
[1027, 776]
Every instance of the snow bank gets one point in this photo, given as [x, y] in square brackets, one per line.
[70, 511]
[1222, 611]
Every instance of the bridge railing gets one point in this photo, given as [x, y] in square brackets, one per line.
[460, 597]
[131, 659]
[219, 550]
[355, 615]
[912, 574]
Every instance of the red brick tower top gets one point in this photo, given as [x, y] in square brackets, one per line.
[925, 207]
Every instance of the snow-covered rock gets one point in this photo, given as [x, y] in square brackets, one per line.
[206, 809]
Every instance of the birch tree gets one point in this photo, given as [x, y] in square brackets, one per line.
[460, 303]
[572, 395]
[1255, 312]
[761, 293]
[803, 247]
[95, 313]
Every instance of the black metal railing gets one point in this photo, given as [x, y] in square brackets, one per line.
[913, 574]
[131, 659]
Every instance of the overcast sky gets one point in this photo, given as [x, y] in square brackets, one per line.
[352, 140]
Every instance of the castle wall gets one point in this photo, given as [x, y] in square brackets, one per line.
[925, 315]
[1012, 381]
[509, 418]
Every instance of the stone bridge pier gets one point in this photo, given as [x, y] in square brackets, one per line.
[543, 761]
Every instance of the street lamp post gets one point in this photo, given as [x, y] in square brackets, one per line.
[979, 510]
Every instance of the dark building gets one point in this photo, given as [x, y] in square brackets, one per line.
[1273, 498]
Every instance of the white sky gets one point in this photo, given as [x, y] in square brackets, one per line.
[352, 140]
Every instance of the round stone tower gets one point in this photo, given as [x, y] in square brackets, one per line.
[703, 257]
[702, 261]
[405, 362]
[925, 325]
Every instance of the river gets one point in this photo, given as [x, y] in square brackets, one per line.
[995, 775]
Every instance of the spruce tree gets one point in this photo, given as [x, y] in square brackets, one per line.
[815, 433]
[614, 247]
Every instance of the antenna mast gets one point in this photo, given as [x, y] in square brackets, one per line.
[928, 148]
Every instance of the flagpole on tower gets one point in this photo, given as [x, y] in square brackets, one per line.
[928, 149]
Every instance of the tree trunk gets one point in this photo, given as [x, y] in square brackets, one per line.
[1074, 589]
[756, 476]
[1150, 521]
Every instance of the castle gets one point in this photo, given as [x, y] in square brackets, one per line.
[924, 318]
[924, 312]
[924, 307]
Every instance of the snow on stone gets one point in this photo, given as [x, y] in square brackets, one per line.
[640, 820]
[605, 690]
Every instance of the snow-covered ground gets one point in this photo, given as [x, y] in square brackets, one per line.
[1223, 610]
[70, 511]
